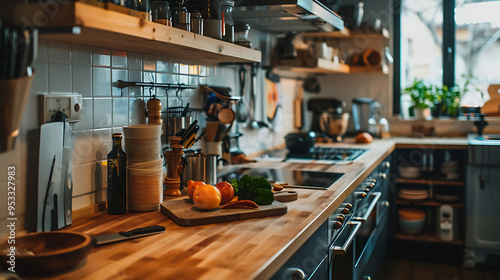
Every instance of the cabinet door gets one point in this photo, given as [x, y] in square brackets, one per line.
[483, 206]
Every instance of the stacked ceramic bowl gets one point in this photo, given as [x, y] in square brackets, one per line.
[413, 193]
[411, 221]
[144, 167]
[409, 172]
[450, 170]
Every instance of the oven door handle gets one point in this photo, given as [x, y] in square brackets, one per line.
[370, 208]
[342, 250]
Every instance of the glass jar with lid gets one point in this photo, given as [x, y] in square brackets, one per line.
[160, 12]
[227, 19]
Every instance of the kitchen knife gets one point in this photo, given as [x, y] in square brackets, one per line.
[24, 42]
[12, 53]
[125, 235]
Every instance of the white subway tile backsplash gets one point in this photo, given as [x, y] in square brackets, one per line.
[161, 65]
[134, 61]
[120, 111]
[82, 178]
[161, 77]
[83, 151]
[59, 52]
[203, 70]
[42, 52]
[148, 77]
[183, 69]
[101, 57]
[100, 178]
[102, 112]
[82, 55]
[119, 59]
[135, 76]
[173, 67]
[119, 75]
[59, 78]
[149, 62]
[172, 78]
[183, 79]
[193, 70]
[102, 143]
[86, 121]
[83, 201]
[40, 83]
[82, 80]
[101, 81]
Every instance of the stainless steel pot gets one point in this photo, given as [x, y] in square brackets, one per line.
[200, 167]
[334, 124]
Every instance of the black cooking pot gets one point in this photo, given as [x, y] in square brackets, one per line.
[300, 142]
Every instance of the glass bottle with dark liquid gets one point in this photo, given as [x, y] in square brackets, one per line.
[117, 177]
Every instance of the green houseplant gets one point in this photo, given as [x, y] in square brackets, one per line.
[422, 95]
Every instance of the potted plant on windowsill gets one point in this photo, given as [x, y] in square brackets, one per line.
[422, 96]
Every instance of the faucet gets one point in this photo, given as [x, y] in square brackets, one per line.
[480, 124]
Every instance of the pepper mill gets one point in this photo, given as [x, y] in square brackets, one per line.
[173, 180]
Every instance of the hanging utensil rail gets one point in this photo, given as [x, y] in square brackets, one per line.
[123, 84]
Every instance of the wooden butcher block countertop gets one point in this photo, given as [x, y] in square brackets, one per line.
[247, 249]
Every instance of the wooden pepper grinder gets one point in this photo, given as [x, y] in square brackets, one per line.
[154, 111]
[173, 180]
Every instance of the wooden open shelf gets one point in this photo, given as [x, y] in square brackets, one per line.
[427, 237]
[323, 66]
[430, 182]
[347, 33]
[431, 203]
[109, 29]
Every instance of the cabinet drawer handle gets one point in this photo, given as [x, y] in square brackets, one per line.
[298, 274]
[370, 208]
[341, 250]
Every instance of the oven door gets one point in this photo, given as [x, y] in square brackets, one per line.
[340, 252]
[371, 235]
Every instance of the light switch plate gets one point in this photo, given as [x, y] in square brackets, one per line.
[69, 104]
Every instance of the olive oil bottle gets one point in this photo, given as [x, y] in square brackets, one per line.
[117, 177]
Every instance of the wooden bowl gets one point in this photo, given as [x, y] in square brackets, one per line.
[47, 252]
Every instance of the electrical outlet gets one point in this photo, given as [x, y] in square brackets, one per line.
[69, 104]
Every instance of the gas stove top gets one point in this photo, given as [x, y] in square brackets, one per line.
[329, 153]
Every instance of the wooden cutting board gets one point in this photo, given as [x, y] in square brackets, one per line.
[285, 196]
[184, 213]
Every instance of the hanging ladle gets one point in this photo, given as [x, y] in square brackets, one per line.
[241, 109]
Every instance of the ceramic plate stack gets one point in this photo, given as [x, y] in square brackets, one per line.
[409, 172]
[144, 167]
[450, 170]
[409, 193]
[411, 221]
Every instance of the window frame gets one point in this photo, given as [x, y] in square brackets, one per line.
[449, 46]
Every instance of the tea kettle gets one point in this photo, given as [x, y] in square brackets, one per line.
[368, 116]
[361, 113]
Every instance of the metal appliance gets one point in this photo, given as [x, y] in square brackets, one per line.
[361, 113]
[447, 223]
[287, 15]
[328, 153]
[321, 105]
[482, 224]
[361, 245]
[55, 183]
[351, 244]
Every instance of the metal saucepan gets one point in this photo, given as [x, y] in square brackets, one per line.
[334, 124]
[301, 142]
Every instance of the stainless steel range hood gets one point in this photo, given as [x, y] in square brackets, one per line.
[287, 15]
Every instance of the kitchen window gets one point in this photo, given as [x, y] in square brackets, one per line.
[446, 42]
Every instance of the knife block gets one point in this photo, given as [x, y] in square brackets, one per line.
[14, 95]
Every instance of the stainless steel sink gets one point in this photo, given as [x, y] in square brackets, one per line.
[487, 139]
